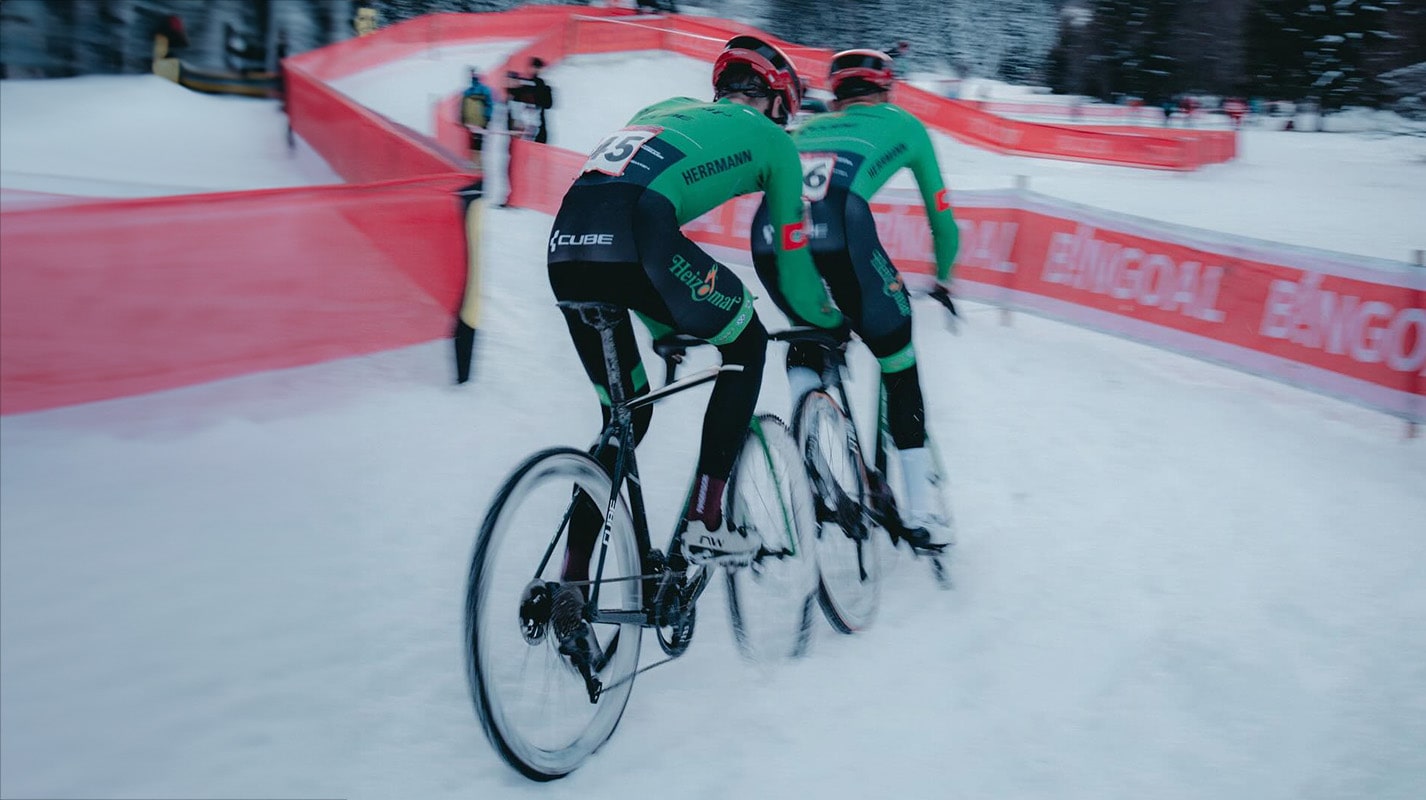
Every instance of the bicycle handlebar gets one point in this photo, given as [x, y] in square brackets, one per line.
[826, 338]
[673, 347]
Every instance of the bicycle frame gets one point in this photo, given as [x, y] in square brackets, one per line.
[881, 506]
[620, 429]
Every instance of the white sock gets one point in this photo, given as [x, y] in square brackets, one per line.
[800, 381]
[916, 468]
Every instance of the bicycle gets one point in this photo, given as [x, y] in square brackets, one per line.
[852, 498]
[564, 653]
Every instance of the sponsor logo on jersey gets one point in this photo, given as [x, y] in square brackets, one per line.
[817, 231]
[794, 235]
[558, 239]
[892, 286]
[702, 286]
[716, 167]
[886, 158]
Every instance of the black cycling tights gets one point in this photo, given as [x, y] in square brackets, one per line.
[735, 395]
[905, 405]
[725, 423]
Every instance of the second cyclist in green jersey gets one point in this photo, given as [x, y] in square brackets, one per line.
[847, 156]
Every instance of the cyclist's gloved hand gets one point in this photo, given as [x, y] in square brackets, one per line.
[942, 294]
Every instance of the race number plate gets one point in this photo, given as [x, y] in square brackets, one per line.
[613, 155]
[817, 174]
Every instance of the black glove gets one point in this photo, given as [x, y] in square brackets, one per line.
[942, 294]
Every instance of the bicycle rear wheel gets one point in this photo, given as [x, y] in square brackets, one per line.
[771, 600]
[532, 700]
[849, 568]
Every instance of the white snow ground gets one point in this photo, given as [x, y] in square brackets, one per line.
[1174, 580]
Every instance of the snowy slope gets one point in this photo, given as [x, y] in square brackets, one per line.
[1174, 581]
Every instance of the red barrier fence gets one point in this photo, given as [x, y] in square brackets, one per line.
[1351, 327]
[104, 300]
[112, 298]
[1140, 147]
[703, 37]
[359, 144]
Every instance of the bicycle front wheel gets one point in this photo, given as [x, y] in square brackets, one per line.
[849, 567]
[532, 700]
[771, 600]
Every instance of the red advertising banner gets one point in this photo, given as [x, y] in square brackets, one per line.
[1352, 327]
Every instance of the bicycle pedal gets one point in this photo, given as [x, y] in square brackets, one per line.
[704, 557]
[917, 540]
[928, 549]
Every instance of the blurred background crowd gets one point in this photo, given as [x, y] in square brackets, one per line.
[1178, 55]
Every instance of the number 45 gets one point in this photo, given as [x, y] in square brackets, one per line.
[613, 155]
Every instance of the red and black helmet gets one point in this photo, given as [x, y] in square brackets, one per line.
[860, 72]
[749, 65]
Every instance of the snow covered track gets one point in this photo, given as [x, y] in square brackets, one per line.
[1173, 580]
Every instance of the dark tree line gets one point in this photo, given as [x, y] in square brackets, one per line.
[52, 38]
[1336, 52]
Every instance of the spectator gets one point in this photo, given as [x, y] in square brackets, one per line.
[282, 87]
[515, 112]
[475, 112]
[1235, 108]
[515, 93]
[541, 100]
[529, 98]
[897, 52]
[364, 22]
[1186, 106]
[170, 37]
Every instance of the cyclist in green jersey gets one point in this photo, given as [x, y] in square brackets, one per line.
[617, 240]
[847, 156]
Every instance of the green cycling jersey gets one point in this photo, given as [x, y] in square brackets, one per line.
[698, 155]
[872, 142]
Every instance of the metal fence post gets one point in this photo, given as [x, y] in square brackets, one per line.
[1022, 185]
[1418, 258]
